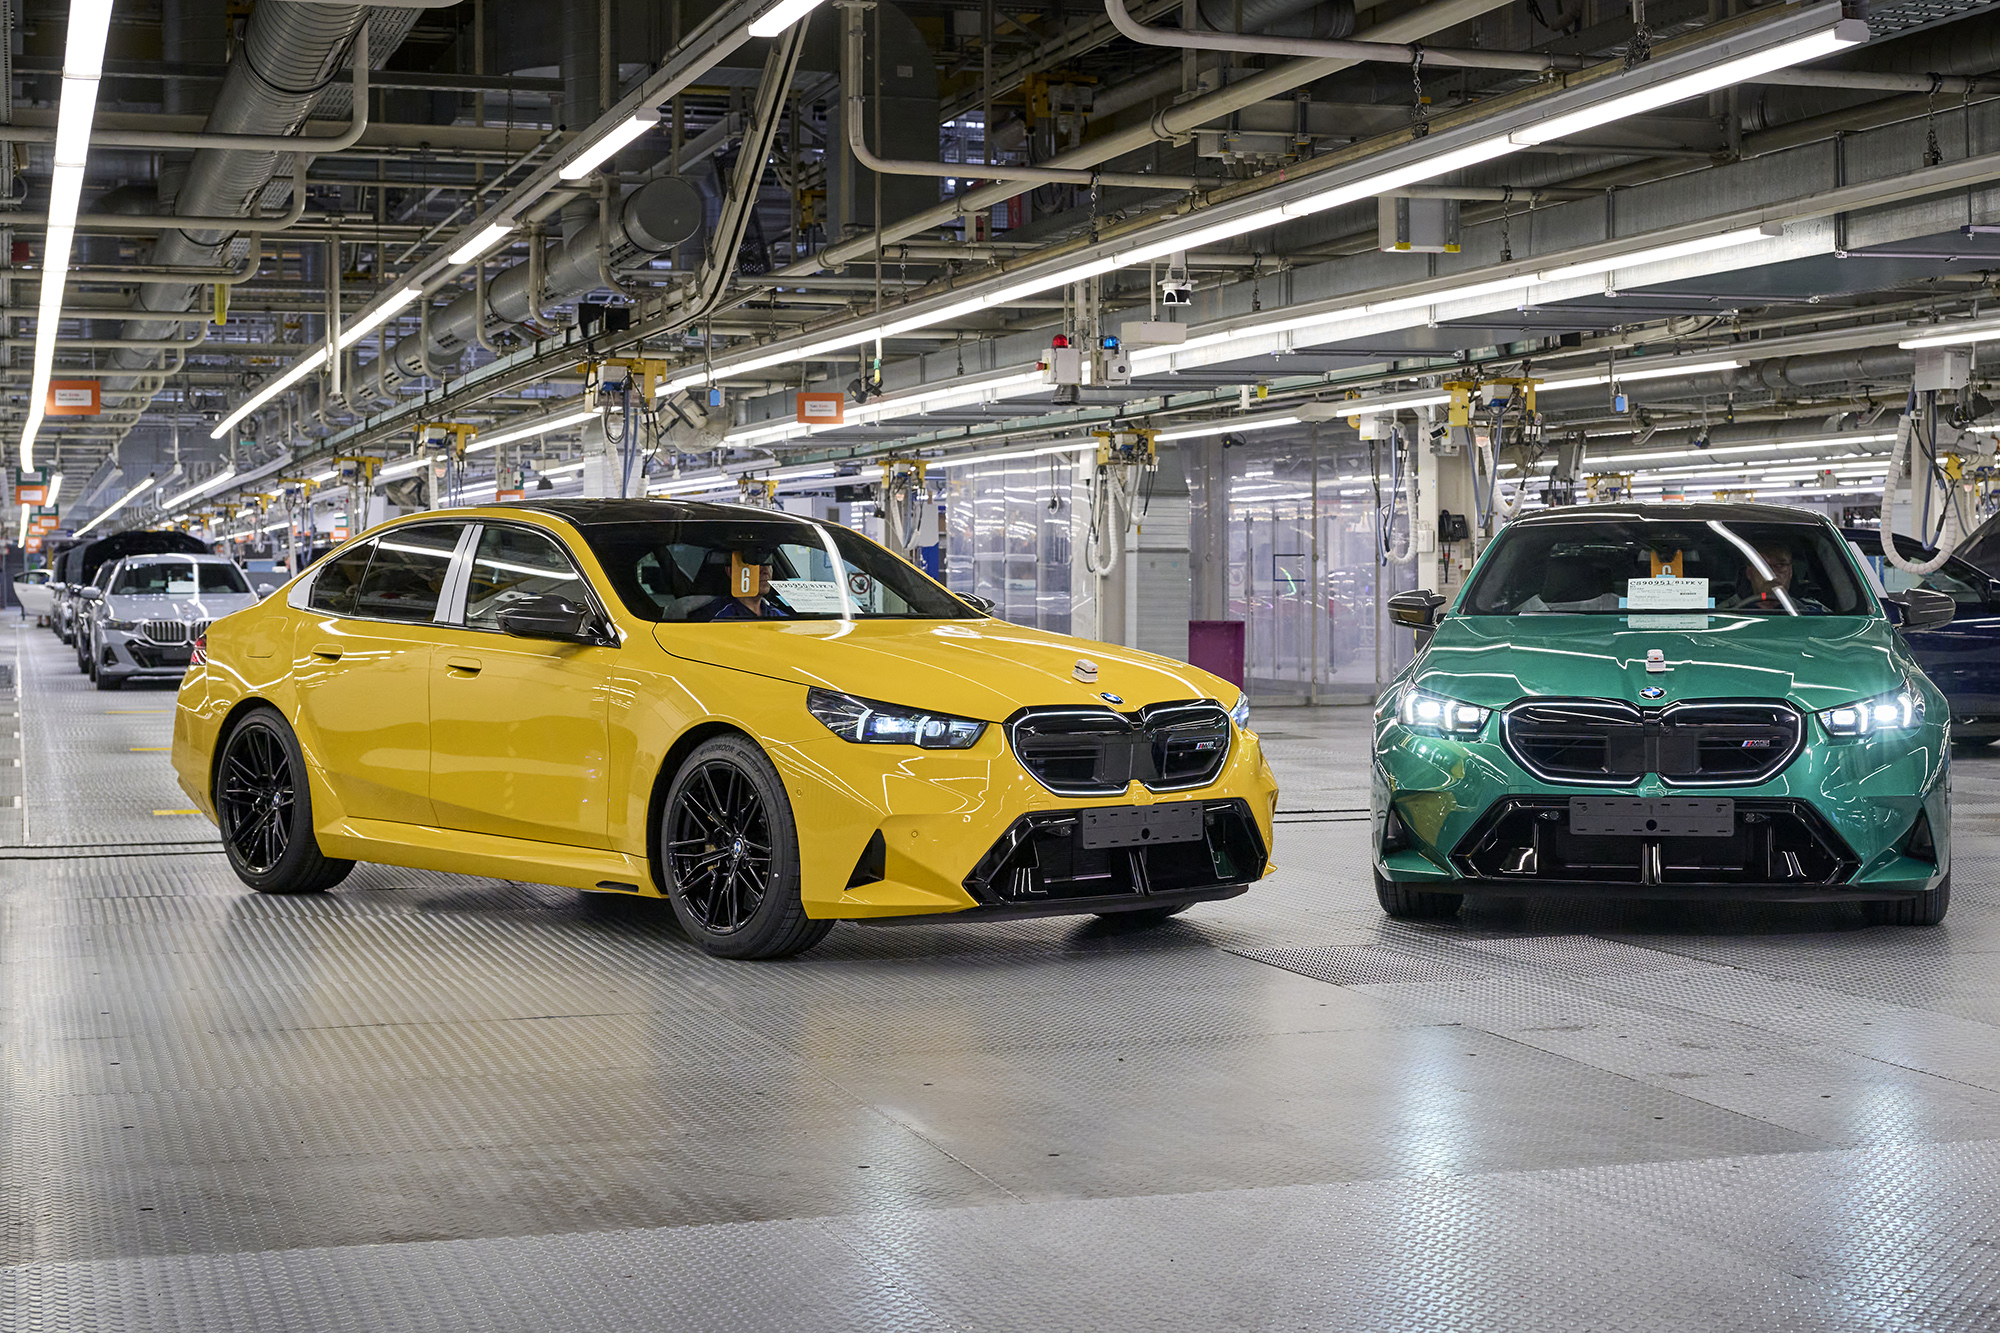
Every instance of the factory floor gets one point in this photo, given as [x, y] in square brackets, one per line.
[428, 1102]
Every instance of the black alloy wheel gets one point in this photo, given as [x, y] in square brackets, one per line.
[730, 853]
[265, 810]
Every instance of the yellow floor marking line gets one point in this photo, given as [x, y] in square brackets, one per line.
[150, 749]
[176, 812]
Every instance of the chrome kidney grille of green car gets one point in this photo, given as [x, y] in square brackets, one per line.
[1606, 742]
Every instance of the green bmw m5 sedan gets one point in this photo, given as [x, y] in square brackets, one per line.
[1665, 701]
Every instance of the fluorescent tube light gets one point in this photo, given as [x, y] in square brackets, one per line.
[1678, 250]
[380, 315]
[1845, 33]
[1227, 428]
[75, 112]
[83, 44]
[116, 505]
[1953, 338]
[55, 490]
[1641, 371]
[561, 468]
[299, 369]
[405, 467]
[1397, 177]
[481, 243]
[530, 430]
[590, 158]
[781, 16]
[1009, 455]
[199, 488]
[22, 539]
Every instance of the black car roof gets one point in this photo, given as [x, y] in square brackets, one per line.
[584, 513]
[1674, 513]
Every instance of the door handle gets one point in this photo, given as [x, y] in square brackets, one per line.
[328, 651]
[469, 665]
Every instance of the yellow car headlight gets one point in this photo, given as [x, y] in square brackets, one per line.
[869, 722]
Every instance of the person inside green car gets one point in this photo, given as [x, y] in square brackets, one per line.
[1765, 586]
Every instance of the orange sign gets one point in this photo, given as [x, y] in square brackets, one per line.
[72, 398]
[340, 534]
[34, 542]
[822, 409]
[31, 494]
[509, 495]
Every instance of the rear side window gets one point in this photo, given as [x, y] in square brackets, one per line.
[512, 565]
[335, 585]
[406, 577]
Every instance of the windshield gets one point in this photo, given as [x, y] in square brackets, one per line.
[1622, 565]
[177, 578]
[763, 569]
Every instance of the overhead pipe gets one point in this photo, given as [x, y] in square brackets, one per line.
[1173, 123]
[1394, 53]
[303, 145]
[140, 222]
[852, 54]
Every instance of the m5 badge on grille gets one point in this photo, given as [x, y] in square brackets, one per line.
[1652, 816]
[1141, 825]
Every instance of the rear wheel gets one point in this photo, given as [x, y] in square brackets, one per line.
[1925, 909]
[1409, 904]
[264, 806]
[730, 850]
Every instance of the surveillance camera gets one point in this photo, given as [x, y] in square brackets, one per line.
[1176, 291]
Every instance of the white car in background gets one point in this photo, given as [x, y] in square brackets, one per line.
[33, 593]
[143, 622]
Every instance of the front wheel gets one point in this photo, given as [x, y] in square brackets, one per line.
[1924, 909]
[730, 850]
[264, 805]
[1410, 904]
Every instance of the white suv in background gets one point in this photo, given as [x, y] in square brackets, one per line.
[143, 624]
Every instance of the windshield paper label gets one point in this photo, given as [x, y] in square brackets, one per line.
[1666, 622]
[811, 597]
[1666, 595]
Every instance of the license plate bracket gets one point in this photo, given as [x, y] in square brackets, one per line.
[1140, 825]
[1652, 816]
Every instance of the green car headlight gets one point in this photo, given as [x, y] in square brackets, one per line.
[867, 722]
[1420, 710]
[1898, 710]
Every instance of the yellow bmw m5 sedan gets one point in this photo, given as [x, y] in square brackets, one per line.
[772, 722]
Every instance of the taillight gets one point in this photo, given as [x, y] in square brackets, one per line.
[200, 654]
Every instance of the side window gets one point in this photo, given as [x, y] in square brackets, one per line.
[513, 564]
[334, 587]
[406, 577]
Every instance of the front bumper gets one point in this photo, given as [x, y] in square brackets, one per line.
[127, 656]
[886, 831]
[1834, 825]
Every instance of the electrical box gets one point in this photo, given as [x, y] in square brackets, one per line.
[1942, 368]
[1151, 333]
[1117, 366]
[1420, 226]
[1064, 365]
[1372, 428]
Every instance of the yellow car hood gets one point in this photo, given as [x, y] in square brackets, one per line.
[982, 669]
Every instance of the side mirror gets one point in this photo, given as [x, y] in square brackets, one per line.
[984, 605]
[549, 617]
[266, 589]
[90, 593]
[1417, 610]
[1924, 609]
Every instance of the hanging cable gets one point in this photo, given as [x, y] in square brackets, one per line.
[1408, 554]
[1905, 429]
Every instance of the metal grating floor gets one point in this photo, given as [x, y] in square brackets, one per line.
[430, 1102]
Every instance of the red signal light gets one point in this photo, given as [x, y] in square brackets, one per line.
[1060, 340]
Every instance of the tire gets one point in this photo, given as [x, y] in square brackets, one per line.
[86, 660]
[1406, 904]
[1925, 909]
[264, 806]
[106, 681]
[729, 854]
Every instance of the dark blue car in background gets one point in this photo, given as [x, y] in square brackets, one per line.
[1961, 658]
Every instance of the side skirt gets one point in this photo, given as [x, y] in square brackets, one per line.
[454, 852]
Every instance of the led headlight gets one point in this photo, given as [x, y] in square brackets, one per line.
[1239, 713]
[1421, 710]
[1898, 710]
[864, 721]
[124, 626]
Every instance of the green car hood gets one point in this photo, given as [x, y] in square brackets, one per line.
[1814, 661]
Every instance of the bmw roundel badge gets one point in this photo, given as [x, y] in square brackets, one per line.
[1111, 698]
[1651, 692]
